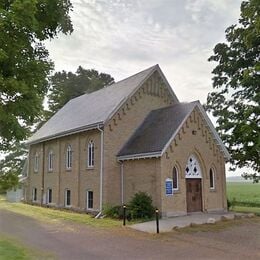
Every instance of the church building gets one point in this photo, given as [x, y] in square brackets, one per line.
[134, 135]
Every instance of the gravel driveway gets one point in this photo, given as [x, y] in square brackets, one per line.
[77, 241]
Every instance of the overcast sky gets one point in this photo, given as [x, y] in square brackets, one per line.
[123, 37]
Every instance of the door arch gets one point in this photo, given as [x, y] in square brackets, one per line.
[193, 176]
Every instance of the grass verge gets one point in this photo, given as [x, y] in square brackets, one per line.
[246, 209]
[10, 249]
[54, 214]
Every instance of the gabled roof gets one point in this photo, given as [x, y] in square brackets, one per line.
[90, 110]
[158, 130]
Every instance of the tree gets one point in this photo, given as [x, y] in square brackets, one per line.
[11, 166]
[24, 62]
[67, 85]
[235, 101]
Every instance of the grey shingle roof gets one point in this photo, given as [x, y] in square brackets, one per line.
[157, 129]
[90, 109]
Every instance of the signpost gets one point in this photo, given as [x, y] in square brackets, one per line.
[168, 187]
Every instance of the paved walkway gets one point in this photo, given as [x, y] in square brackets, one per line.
[168, 224]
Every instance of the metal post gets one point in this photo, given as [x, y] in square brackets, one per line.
[124, 214]
[157, 220]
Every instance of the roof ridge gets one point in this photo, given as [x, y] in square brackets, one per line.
[113, 84]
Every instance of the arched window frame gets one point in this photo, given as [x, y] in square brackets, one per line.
[175, 178]
[91, 154]
[69, 157]
[50, 161]
[36, 162]
[212, 179]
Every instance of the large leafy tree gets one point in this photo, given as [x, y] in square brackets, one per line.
[235, 101]
[24, 62]
[67, 85]
[11, 166]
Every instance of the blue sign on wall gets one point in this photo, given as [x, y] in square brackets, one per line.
[168, 187]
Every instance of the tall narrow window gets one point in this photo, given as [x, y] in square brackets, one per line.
[175, 179]
[49, 196]
[69, 157]
[50, 161]
[91, 154]
[90, 200]
[36, 162]
[67, 198]
[34, 194]
[211, 179]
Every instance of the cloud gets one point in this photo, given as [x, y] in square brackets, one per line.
[121, 37]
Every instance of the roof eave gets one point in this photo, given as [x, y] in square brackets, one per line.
[211, 129]
[139, 156]
[66, 133]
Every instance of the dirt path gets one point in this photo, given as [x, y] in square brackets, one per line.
[77, 241]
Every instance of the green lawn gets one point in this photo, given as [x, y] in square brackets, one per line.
[48, 214]
[244, 194]
[11, 249]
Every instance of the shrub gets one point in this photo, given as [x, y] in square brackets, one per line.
[141, 206]
[113, 211]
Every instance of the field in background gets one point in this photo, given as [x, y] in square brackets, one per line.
[244, 194]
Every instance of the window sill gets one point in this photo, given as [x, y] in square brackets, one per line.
[50, 171]
[176, 192]
[68, 169]
[212, 190]
[90, 168]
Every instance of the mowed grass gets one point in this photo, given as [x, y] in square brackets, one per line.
[11, 249]
[244, 194]
[46, 214]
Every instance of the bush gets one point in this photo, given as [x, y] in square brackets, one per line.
[141, 206]
[113, 211]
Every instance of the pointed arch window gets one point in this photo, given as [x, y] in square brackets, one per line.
[36, 162]
[175, 179]
[91, 154]
[193, 169]
[69, 157]
[50, 161]
[211, 179]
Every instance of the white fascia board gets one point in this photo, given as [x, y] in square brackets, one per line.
[214, 132]
[70, 132]
[167, 84]
[210, 127]
[130, 95]
[139, 156]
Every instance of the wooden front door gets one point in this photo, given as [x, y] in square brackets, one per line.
[194, 197]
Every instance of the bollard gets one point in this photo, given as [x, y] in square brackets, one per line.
[157, 220]
[124, 214]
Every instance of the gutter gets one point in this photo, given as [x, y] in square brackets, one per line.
[101, 170]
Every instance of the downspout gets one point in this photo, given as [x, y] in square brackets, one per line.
[122, 181]
[101, 171]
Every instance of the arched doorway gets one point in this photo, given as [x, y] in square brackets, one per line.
[193, 177]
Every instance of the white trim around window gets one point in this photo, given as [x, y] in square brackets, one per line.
[36, 162]
[90, 200]
[50, 161]
[91, 154]
[175, 179]
[69, 157]
[49, 196]
[212, 184]
[67, 198]
[34, 194]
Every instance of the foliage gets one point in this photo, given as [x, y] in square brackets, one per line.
[243, 194]
[141, 206]
[11, 166]
[235, 101]
[67, 85]
[24, 62]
